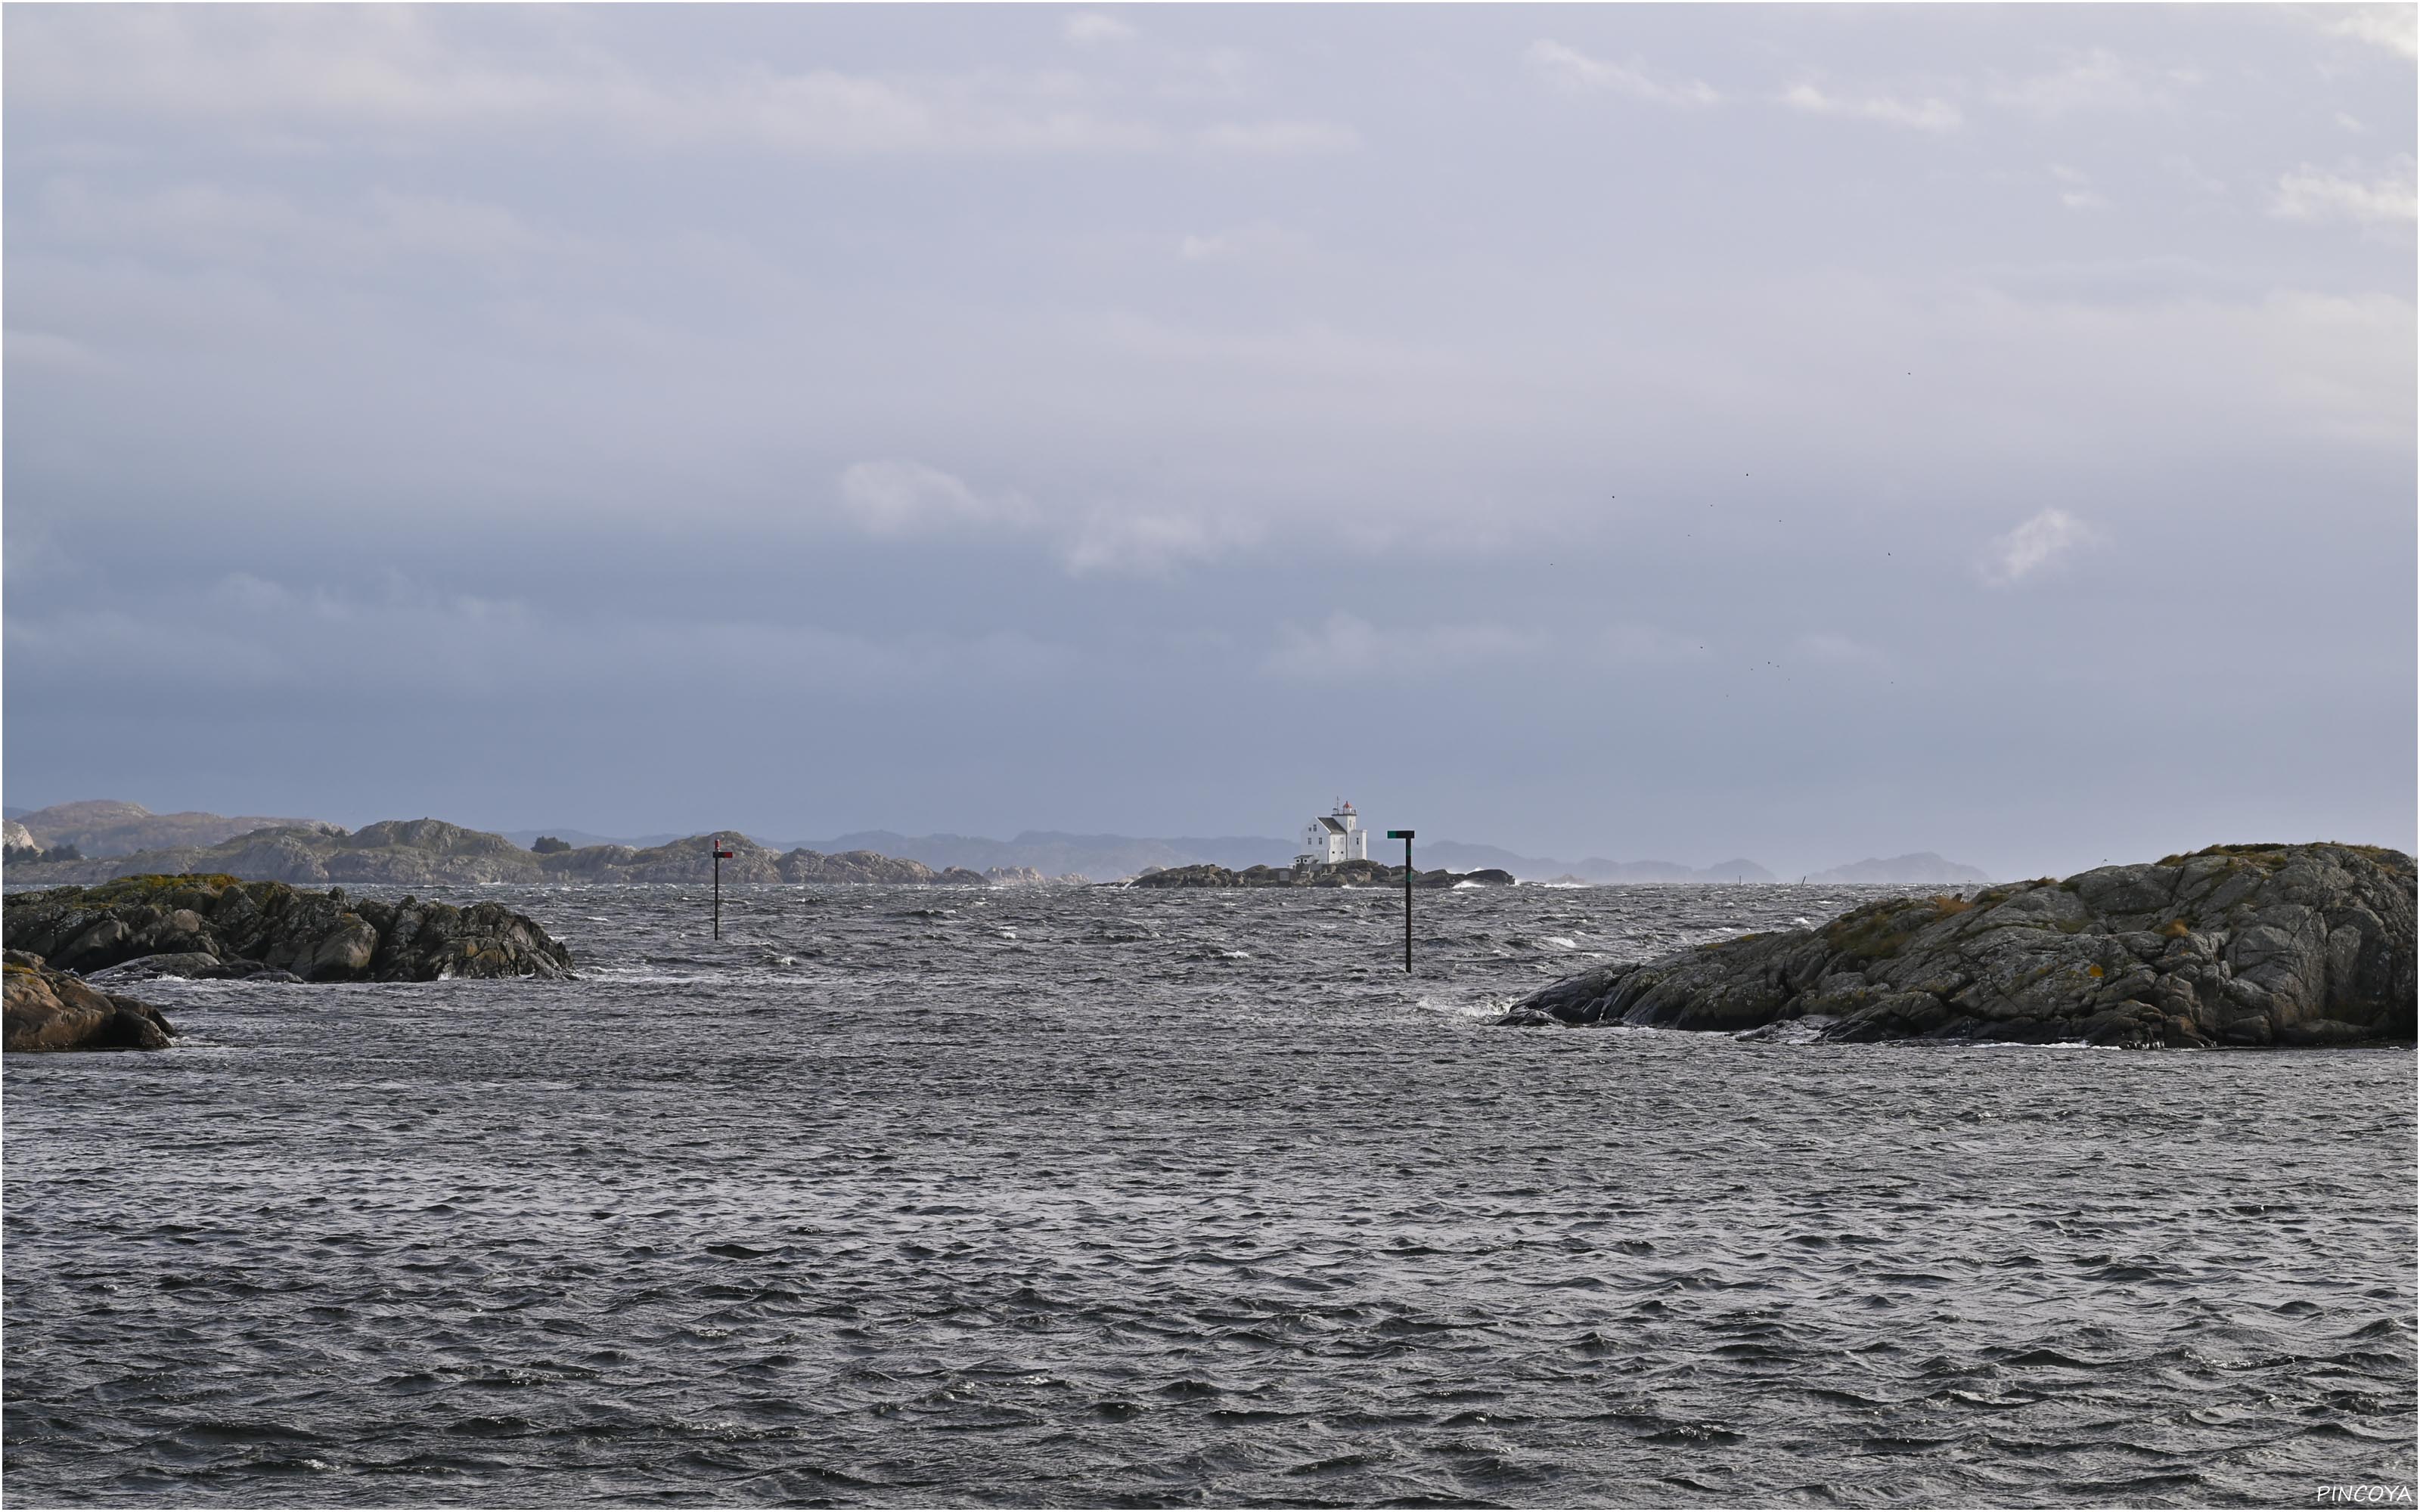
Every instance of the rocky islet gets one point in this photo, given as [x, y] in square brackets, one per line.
[2238, 945]
[217, 926]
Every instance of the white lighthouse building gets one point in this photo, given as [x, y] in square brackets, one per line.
[1333, 837]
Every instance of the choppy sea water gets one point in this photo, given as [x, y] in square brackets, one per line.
[909, 1196]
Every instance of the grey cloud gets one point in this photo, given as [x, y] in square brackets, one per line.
[2042, 542]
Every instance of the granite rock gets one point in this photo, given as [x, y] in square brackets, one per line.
[266, 927]
[2237, 945]
[42, 1008]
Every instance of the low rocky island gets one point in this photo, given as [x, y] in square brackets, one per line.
[216, 927]
[1355, 873]
[2236, 945]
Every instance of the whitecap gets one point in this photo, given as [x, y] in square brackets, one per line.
[1484, 1008]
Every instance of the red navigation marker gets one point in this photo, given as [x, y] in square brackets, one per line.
[722, 855]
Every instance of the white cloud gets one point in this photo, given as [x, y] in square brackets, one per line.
[2095, 80]
[1931, 113]
[1278, 139]
[1348, 646]
[1141, 543]
[897, 498]
[1260, 242]
[2044, 541]
[2351, 124]
[381, 70]
[2394, 27]
[2310, 194]
[1571, 69]
[1089, 28]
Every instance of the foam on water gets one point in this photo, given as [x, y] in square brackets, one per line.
[1178, 1198]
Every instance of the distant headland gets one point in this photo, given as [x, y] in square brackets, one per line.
[415, 853]
[134, 839]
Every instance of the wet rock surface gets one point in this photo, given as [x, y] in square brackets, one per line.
[45, 1009]
[215, 927]
[2246, 944]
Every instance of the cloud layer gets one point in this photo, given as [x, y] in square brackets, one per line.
[1615, 431]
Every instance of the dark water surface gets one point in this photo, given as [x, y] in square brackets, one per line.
[906, 1197]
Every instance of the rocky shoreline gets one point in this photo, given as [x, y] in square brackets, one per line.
[1344, 874]
[2236, 945]
[216, 927]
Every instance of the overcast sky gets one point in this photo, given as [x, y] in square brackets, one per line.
[1802, 433]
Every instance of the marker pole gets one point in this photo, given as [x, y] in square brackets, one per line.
[718, 887]
[1406, 836]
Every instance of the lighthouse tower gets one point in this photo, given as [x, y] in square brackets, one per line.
[1333, 837]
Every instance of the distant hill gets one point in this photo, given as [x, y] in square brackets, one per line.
[527, 838]
[107, 826]
[1101, 857]
[1923, 866]
[1467, 858]
[108, 830]
[1106, 858]
[431, 852]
